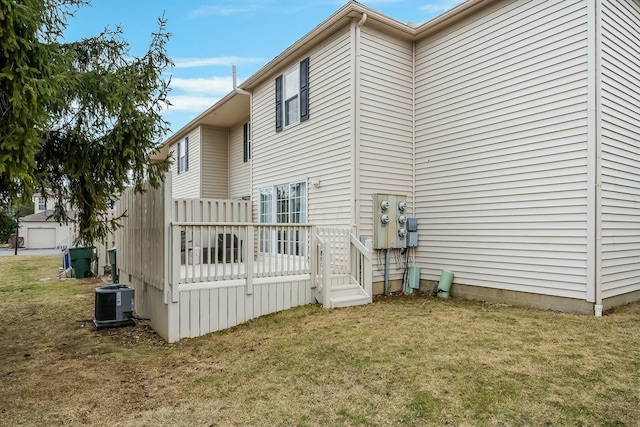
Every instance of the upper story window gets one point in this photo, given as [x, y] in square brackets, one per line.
[183, 156]
[246, 139]
[42, 204]
[292, 96]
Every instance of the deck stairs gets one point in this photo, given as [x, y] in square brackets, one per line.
[344, 292]
[342, 270]
[347, 295]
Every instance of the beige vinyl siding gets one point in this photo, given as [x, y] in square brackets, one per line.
[501, 175]
[215, 163]
[386, 126]
[620, 147]
[187, 184]
[317, 149]
[239, 171]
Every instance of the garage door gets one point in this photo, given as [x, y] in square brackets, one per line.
[40, 238]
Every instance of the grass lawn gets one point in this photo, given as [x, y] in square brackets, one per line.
[411, 361]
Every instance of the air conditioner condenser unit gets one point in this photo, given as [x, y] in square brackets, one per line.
[114, 306]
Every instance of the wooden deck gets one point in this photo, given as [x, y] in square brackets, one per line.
[187, 262]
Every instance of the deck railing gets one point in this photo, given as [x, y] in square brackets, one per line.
[215, 251]
[322, 270]
[361, 264]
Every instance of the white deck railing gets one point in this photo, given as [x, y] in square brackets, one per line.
[361, 264]
[322, 270]
[216, 251]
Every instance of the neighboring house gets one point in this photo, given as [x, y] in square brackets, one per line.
[40, 231]
[510, 128]
[41, 204]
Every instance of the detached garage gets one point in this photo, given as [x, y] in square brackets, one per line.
[41, 232]
[41, 238]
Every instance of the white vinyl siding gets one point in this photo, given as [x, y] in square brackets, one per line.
[386, 126]
[318, 148]
[620, 147]
[215, 161]
[187, 184]
[239, 171]
[501, 156]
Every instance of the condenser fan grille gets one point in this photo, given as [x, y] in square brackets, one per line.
[105, 306]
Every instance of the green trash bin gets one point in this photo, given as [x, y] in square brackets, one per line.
[114, 264]
[81, 261]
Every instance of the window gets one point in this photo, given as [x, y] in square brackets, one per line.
[292, 96]
[42, 204]
[246, 138]
[183, 156]
[287, 204]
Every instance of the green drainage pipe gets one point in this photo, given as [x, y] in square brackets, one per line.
[445, 284]
[413, 279]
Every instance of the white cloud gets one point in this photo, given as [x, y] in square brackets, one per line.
[228, 8]
[209, 86]
[220, 11]
[214, 61]
[437, 7]
[191, 103]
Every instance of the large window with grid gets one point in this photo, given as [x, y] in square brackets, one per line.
[283, 204]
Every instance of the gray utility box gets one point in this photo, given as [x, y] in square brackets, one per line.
[390, 221]
[114, 306]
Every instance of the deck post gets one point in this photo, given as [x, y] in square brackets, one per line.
[313, 257]
[249, 258]
[326, 274]
[368, 270]
[175, 257]
[167, 255]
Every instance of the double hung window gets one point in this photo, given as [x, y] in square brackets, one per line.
[183, 156]
[292, 96]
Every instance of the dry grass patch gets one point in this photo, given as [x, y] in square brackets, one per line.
[400, 361]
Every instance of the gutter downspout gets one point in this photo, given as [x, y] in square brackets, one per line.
[598, 143]
[355, 148]
[594, 160]
[239, 91]
[236, 89]
[413, 132]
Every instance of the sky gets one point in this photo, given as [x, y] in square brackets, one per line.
[209, 36]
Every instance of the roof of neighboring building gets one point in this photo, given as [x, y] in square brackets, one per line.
[46, 216]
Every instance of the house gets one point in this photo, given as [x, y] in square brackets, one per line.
[41, 203]
[509, 128]
[40, 231]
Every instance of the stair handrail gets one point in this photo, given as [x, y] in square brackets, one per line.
[323, 252]
[362, 264]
